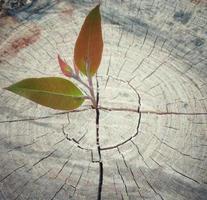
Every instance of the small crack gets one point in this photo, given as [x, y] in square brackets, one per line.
[121, 68]
[150, 185]
[5, 177]
[61, 169]
[155, 162]
[126, 190]
[184, 154]
[170, 127]
[115, 186]
[123, 158]
[60, 141]
[131, 172]
[21, 190]
[149, 75]
[22, 146]
[74, 141]
[140, 154]
[42, 176]
[88, 173]
[43, 158]
[188, 177]
[92, 158]
[122, 32]
[145, 37]
[62, 186]
[148, 55]
[43, 117]
[75, 187]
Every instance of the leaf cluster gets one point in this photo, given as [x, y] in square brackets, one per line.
[63, 94]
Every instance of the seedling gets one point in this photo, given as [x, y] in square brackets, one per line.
[63, 94]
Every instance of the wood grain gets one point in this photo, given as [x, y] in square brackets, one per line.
[152, 105]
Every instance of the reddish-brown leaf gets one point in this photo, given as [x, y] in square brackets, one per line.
[65, 68]
[89, 45]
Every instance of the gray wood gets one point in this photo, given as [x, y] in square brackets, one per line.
[153, 107]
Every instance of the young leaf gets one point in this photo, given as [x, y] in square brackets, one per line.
[65, 68]
[89, 45]
[53, 92]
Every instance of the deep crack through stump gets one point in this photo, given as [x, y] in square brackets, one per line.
[98, 144]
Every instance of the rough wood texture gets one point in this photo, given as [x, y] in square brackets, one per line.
[152, 97]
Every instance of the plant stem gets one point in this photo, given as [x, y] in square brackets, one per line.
[77, 78]
[90, 84]
[92, 91]
[92, 98]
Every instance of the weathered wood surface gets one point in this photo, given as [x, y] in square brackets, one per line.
[153, 115]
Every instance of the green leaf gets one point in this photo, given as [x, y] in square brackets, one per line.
[89, 45]
[53, 92]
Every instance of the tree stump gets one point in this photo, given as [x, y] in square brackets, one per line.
[152, 108]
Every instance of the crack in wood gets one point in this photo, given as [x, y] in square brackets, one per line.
[44, 117]
[22, 187]
[75, 187]
[123, 181]
[148, 55]
[114, 183]
[74, 141]
[41, 176]
[127, 50]
[5, 177]
[56, 193]
[138, 151]
[151, 111]
[138, 122]
[110, 109]
[61, 169]
[58, 142]
[149, 75]
[150, 185]
[22, 146]
[40, 160]
[122, 32]
[121, 68]
[145, 37]
[131, 172]
[100, 185]
[173, 148]
[182, 174]
[62, 186]
[156, 162]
